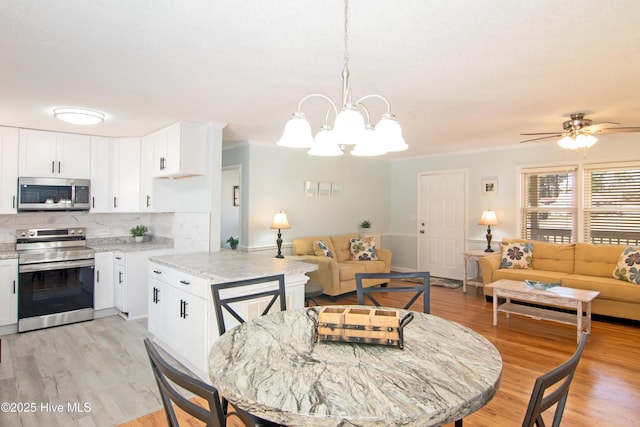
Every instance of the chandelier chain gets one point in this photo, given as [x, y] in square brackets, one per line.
[346, 35]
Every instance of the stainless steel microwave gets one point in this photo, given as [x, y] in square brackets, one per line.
[53, 194]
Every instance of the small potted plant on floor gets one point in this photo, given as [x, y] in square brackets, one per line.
[233, 242]
[138, 232]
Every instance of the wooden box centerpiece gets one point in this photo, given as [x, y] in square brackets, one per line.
[363, 325]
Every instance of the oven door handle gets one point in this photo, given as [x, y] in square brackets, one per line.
[47, 266]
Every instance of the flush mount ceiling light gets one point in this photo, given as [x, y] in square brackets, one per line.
[78, 116]
[350, 126]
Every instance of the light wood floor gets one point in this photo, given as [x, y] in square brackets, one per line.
[103, 363]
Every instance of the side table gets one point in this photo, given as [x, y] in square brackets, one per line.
[472, 255]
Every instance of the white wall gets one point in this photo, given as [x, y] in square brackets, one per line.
[501, 163]
[230, 214]
[273, 180]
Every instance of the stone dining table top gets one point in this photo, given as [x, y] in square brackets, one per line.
[271, 368]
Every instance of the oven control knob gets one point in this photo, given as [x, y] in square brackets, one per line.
[72, 231]
[23, 234]
[32, 233]
[80, 231]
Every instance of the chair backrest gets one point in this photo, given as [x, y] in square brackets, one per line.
[421, 289]
[539, 402]
[166, 376]
[222, 304]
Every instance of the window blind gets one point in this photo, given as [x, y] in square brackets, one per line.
[612, 204]
[548, 205]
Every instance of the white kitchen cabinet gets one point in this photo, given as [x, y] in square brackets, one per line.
[181, 315]
[8, 170]
[125, 175]
[131, 281]
[147, 196]
[103, 296]
[8, 292]
[54, 154]
[100, 174]
[180, 150]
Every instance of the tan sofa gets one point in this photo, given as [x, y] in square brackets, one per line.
[575, 265]
[338, 275]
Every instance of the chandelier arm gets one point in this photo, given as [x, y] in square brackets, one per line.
[373, 95]
[335, 109]
[366, 111]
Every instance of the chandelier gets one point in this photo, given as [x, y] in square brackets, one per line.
[350, 128]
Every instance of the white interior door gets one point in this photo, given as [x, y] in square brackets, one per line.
[441, 223]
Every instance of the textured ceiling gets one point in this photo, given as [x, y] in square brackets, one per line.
[460, 74]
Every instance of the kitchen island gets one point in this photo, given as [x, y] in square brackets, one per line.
[181, 315]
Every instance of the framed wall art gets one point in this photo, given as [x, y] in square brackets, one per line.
[489, 185]
[337, 189]
[324, 189]
[310, 188]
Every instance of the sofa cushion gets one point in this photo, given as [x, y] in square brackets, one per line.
[521, 274]
[342, 246]
[321, 248]
[628, 266]
[305, 245]
[609, 288]
[347, 270]
[516, 255]
[550, 256]
[363, 249]
[596, 260]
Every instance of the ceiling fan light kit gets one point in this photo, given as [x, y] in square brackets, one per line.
[579, 132]
[350, 128]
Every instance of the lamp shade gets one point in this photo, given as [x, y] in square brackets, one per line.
[349, 125]
[280, 221]
[369, 145]
[324, 144]
[297, 133]
[389, 134]
[488, 218]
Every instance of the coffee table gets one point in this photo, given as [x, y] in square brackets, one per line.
[560, 296]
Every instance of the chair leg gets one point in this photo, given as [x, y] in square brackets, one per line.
[459, 423]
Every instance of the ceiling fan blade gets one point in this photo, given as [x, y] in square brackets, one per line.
[539, 139]
[541, 133]
[618, 130]
[597, 127]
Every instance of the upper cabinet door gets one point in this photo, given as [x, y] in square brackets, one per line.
[8, 170]
[100, 174]
[52, 154]
[125, 178]
[38, 151]
[74, 156]
[180, 150]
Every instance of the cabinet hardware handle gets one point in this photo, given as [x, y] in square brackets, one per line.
[184, 316]
[14, 287]
[59, 167]
[156, 271]
[93, 202]
[182, 309]
[98, 276]
[53, 166]
[118, 257]
[421, 231]
[185, 282]
[157, 295]
[115, 203]
[148, 201]
[119, 276]
[13, 202]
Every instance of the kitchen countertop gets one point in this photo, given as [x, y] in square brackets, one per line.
[126, 244]
[11, 254]
[224, 266]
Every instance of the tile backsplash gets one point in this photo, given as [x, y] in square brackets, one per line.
[187, 230]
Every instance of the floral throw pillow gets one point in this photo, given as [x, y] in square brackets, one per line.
[628, 267]
[516, 255]
[363, 249]
[324, 249]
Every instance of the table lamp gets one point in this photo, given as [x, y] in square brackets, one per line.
[280, 222]
[488, 218]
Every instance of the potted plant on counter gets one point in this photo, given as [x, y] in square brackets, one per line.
[138, 232]
[233, 242]
[365, 226]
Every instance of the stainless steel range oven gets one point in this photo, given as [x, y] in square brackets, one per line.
[55, 277]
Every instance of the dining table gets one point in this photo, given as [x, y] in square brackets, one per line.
[273, 368]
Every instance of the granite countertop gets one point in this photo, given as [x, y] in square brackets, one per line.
[126, 244]
[272, 368]
[224, 266]
[8, 254]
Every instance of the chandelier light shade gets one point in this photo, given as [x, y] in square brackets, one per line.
[573, 142]
[78, 116]
[280, 222]
[351, 126]
[488, 218]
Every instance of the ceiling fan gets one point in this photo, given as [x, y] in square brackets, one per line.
[579, 132]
